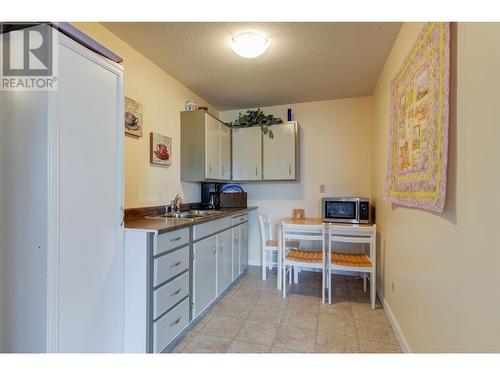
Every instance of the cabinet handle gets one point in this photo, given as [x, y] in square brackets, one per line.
[256, 171]
[176, 292]
[209, 167]
[175, 321]
[221, 248]
[289, 170]
[123, 216]
[175, 264]
[175, 239]
[214, 250]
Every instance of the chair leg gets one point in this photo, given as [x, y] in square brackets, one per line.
[283, 277]
[323, 286]
[264, 255]
[330, 287]
[290, 271]
[270, 261]
[373, 293]
[295, 275]
[364, 283]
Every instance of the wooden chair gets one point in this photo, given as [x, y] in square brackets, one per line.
[313, 258]
[269, 245]
[354, 262]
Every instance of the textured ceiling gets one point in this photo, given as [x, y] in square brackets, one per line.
[305, 61]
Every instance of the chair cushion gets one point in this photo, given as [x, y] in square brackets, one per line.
[289, 244]
[351, 260]
[305, 256]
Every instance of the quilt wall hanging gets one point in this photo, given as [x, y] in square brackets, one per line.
[418, 143]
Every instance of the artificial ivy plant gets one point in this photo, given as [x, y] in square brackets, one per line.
[256, 118]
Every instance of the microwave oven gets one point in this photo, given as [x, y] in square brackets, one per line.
[352, 210]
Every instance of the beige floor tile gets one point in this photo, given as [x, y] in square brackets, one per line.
[374, 331]
[331, 325]
[222, 326]
[207, 344]
[257, 332]
[295, 339]
[330, 343]
[366, 346]
[300, 319]
[233, 309]
[279, 348]
[340, 310]
[248, 347]
[377, 315]
[273, 300]
[298, 302]
[262, 313]
[358, 307]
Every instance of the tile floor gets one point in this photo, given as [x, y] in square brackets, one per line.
[253, 317]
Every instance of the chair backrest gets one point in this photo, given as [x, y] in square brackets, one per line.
[303, 232]
[265, 228]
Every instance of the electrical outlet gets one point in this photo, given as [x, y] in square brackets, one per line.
[393, 285]
[322, 188]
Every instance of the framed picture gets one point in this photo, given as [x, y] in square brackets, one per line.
[133, 118]
[160, 151]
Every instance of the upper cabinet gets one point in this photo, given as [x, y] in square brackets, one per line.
[212, 151]
[225, 153]
[280, 153]
[247, 154]
[205, 147]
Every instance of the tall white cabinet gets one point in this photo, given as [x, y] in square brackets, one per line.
[61, 247]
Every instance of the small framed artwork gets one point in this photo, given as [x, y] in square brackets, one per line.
[133, 118]
[160, 151]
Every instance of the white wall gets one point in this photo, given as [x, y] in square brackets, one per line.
[163, 99]
[335, 150]
[446, 266]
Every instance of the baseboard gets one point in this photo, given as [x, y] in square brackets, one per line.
[395, 326]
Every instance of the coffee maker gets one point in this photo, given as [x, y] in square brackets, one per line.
[210, 195]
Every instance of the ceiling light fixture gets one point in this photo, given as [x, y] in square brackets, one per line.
[249, 44]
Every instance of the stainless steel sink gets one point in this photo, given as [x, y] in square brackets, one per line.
[192, 214]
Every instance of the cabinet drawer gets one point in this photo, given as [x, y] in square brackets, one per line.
[171, 240]
[169, 265]
[240, 219]
[170, 325]
[206, 229]
[169, 294]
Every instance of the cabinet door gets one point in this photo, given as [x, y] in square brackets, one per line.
[224, 260]
[247, 154]
[243, 246]
[211, 147]
[225, 152]
[236, 251]
[279, 153]
[204, 275]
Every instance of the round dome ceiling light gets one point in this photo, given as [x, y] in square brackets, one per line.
[249, 44]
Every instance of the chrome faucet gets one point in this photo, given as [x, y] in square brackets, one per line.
[175, 205]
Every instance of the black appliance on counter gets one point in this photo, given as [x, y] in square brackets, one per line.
[210, 195]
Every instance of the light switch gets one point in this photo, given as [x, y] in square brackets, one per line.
[322, 188]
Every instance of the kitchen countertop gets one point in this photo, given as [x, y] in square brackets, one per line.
[161, 225]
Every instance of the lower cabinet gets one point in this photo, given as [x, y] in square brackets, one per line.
[243, 246]
[164, 291]
[204, 273]
[224, 260]
[156, 300]
[236, 251]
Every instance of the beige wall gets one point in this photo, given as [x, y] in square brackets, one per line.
[445, 267]
[162, 98]
[335, 150]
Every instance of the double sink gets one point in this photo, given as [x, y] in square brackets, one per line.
[191, 214]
